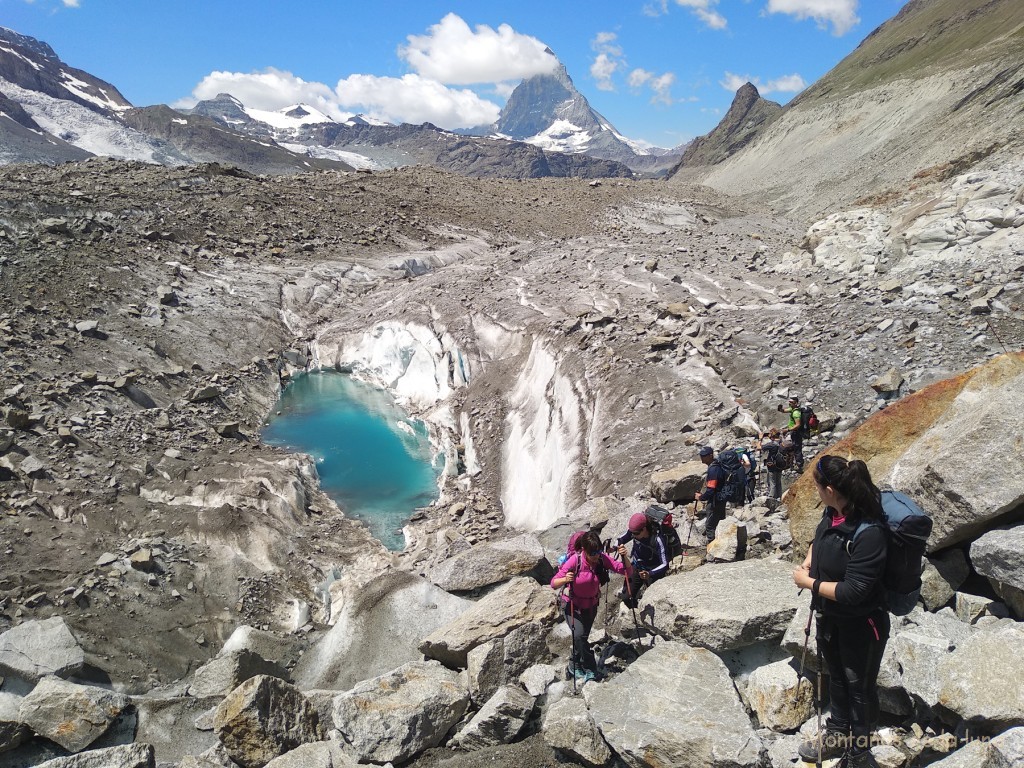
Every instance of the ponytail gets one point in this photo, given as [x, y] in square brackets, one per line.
[853, 481]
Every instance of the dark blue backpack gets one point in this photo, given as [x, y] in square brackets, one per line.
[734, 478]
[908, 528]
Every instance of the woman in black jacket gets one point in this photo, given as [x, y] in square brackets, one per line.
[843, 569]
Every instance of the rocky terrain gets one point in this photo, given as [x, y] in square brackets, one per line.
[175, 593]
[601, 331]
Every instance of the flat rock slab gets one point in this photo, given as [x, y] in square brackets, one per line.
[322, 754]
[71, 715]
[224, 673]
[499, 720]
[726, 606]
[393, 717]
[980, 680]
[492, 563]
[520, 601]
[675, 705]
[352, 650]
[125, 756]
[999, 557]
[35, 649]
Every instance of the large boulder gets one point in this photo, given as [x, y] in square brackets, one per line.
[980, 681]
[920, 642]
[35, 649]
[320, 754]
[12, 731]
[265, 717]
[71, 715]
[492, 563]
[675, 705]
[569, 729]
[1004, 751]
[678, 483]
[520, 601]
[401, 607]
[395, 716]
[726, 606]
[999, 557]
[934, 444]
[782, 700]
[502, 660]
[942, 577]
[171, 724]
[499, 720]
[125, 756]
[225, 672]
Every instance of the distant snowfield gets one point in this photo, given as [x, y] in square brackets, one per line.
[280, 120]
[88, 130]
[327, 153]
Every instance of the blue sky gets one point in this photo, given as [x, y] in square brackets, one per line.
[661, 71]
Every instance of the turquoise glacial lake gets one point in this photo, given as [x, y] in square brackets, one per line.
[375, 461]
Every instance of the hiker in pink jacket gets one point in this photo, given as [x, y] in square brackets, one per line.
[584, 573]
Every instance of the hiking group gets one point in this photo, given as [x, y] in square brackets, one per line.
[864, 562]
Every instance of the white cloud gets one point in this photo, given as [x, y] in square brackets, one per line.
[785, 84]
[660, 85]
[270, 89]
[602, 69]
[71, 3]
[705, 11]
[453, 53]
[608, 60]
[841, 14]
[415, 99]
[656, 8]
[410, 99]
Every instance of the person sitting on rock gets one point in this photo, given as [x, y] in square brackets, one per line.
[649, 557]
[844, 573]
[712, 495]
[584, 573]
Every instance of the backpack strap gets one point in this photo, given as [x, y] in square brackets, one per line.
[860, 529]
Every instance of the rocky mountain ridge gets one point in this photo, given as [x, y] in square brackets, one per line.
[748, 116]
[59, 113]
[932, 92]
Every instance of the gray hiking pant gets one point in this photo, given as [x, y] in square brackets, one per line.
[774, 484]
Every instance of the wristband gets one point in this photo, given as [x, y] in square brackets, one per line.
[815, 587]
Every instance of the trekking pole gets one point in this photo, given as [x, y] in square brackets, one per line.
[693, 522]
[818, 694]
[629, 591]
[992, 328]
[574, 659]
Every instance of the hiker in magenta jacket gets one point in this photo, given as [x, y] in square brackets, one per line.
[581, 575]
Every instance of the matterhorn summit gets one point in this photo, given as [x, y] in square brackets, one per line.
[549, 112]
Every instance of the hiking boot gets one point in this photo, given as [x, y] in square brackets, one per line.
[584, 676]
[859, 760]
[835, 744]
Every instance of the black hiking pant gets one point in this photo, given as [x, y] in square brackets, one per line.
[581, 621]
[716, 514]
[798, 449]
[634, 586]
[852, 650]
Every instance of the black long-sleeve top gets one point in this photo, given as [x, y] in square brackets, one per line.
[857, 564]
[648, 554]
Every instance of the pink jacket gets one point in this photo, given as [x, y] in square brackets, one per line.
[585, 591]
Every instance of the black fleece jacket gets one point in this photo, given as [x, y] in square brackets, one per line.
[856, 564]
